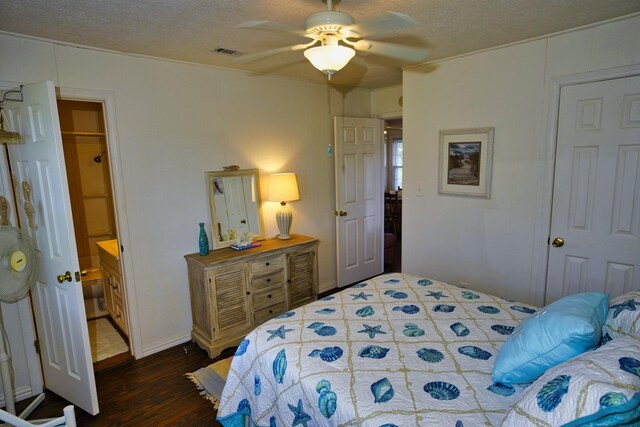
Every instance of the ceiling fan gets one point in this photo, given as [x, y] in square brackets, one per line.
[338, 37]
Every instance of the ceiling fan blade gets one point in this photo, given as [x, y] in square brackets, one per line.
[388, 21]
[259, 55]
[393, 50]
[271, 26]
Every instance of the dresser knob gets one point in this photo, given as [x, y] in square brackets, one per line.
[248, 293]
[267, 263]
[268, 280]
[270, 311]
[269, 296]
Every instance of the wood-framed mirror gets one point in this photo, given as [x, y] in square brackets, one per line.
[235, 205]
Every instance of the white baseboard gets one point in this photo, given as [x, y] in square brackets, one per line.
[327, 286]
[21, 393]
[148, 351]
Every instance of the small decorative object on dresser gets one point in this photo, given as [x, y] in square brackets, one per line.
[233, 291]
[203, 241]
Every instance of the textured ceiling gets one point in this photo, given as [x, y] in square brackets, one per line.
[187, 30]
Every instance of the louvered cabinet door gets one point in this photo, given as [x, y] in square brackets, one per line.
[302, 277]
[230, 299]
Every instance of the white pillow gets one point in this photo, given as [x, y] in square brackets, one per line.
[623, 317]
[601, 387]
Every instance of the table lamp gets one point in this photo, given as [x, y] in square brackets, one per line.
[283, 188]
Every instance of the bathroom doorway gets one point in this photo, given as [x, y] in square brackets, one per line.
[85, 144]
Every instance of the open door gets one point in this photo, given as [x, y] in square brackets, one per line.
[44, 210]
[359, 198]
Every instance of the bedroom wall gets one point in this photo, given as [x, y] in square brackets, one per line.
[493, 245]
[174, 122]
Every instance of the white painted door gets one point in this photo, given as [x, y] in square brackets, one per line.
[44, 209]
[596, 200]
[359, 198]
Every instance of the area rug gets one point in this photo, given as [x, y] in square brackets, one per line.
[105, 340]
[210, 380]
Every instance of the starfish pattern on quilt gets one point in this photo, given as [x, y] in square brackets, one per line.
[629, 304]
[280, 332]
[361, 295]
[300, 417]
[372, 330]
[436, 295]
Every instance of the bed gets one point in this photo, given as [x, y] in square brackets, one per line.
[395, 350]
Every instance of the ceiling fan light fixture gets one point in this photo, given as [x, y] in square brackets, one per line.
[330, 57]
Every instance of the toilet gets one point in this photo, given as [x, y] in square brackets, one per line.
[93, 294]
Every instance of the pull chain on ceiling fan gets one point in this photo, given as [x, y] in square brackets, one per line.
[338, 37]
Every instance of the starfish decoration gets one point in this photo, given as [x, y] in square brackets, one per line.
[278, 333]
[361, 295]
[372, 330]
[300, 417]
[629, 304]
[436, 295]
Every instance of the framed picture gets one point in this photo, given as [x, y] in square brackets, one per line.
[465, 162]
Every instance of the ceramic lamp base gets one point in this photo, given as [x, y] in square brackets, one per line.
[283, 218]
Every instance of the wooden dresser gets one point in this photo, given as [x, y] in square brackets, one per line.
[232, 291]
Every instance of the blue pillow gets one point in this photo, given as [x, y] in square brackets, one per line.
[558, 332]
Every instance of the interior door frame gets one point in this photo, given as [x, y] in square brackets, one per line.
[107, 99]
[542, 227]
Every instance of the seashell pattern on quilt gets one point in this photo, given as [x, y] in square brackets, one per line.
[393, 350]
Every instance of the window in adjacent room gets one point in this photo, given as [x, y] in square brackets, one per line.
[396, 164]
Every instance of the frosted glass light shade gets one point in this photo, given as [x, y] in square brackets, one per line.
[329, 59]
[283, 187]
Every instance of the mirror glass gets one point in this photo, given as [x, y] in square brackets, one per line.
[236, 209]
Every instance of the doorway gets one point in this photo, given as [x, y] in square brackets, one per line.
[88, 170]
[393, 164]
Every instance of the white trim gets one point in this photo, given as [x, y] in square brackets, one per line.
[21, 393]
[107, 99]
[164, 345]
[542, 227]
[388, 115]
[327, 286]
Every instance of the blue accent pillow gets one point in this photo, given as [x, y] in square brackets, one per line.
[558, 332]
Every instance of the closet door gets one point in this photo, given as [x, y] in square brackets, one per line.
[595, 223]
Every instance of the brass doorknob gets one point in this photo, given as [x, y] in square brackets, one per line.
[66, 276]
[342, 213]
[558, 242]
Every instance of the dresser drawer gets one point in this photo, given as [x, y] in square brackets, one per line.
[262, 315]
[267, 265]
[261, 282]
[267, 298]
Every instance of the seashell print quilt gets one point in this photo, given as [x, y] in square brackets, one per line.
[395, 350]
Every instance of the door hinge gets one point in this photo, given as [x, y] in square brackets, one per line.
[36, 344]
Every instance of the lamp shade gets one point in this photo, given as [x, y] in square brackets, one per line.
[283, 187]
[329, 59]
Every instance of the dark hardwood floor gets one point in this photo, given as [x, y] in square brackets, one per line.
[395, 266]
[151, 391]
